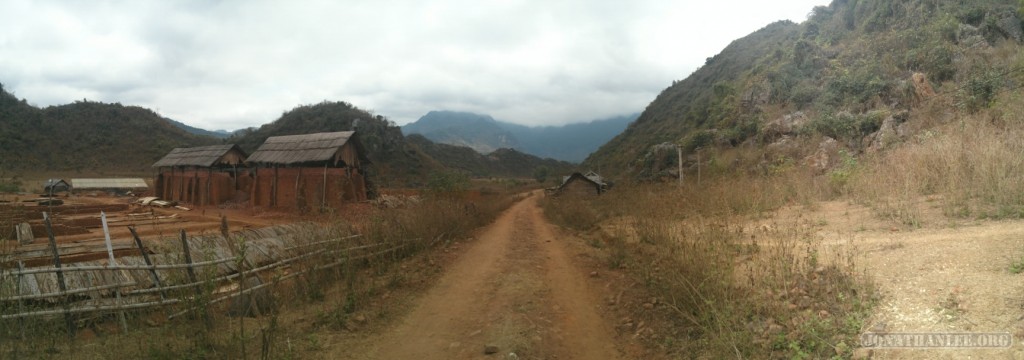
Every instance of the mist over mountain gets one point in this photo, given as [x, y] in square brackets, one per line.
[573, 142]
[478, 132]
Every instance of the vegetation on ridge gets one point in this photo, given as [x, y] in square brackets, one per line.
[846, 68]
[84, 137]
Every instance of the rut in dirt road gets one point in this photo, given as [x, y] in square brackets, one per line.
[514, 288]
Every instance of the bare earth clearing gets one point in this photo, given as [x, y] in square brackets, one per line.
[949, 275]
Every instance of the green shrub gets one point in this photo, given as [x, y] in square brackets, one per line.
[447, 184]
[803, 95]
[839, 178]
[844, 125]
[698, 139]
[979, 89]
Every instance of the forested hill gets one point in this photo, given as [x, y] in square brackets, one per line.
[852, 72]
[394, 161]
[84, 137]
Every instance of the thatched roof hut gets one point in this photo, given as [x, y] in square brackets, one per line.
[324, 169]
[203, 156]
[332, 149]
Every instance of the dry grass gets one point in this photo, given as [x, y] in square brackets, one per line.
[730, 291]
[974, 164]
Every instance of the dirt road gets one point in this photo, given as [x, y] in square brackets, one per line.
[515, 289]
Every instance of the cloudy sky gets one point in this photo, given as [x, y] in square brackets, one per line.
[234, 64]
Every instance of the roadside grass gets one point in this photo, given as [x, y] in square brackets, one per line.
[1017, 267]
[729, 290]
[343, 298]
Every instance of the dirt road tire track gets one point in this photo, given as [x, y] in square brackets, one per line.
[514, 287]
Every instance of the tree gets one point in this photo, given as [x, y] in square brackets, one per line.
[541, 173]
[449, 184]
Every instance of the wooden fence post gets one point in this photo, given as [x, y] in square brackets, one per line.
[21, 303]
[152, 269]
[113, 262]
[60, 277]
[192, 277]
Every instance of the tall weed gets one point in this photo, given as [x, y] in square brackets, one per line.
[974, 164]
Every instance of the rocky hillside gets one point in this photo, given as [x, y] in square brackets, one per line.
[482, 133]
[84, 137]
[856, 77]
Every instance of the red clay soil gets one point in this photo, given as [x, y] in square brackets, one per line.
[79, 234]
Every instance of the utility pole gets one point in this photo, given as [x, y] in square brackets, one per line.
[679, 154]
[698, 166]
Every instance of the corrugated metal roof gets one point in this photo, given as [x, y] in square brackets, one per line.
[204, 156]
[52, 182]
[599, 185]
[293, 149]
[112, 183]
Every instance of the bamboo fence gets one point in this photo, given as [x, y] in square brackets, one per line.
[162, 276]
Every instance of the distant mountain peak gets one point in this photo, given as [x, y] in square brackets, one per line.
[572, 142]
[220, 134]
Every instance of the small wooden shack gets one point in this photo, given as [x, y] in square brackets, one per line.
[321, 170]
[53, 186]
[203, 175]
[579, 184]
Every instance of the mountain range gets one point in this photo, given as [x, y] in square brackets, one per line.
[484, 134]
[101, 139]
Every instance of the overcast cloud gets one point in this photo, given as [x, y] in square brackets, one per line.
[234, 64]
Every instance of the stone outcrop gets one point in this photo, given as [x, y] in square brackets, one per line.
[892, 130]
[824, 157]
[1009, 24]
[970, 37]
[788, 124]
